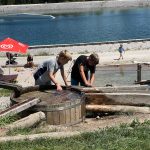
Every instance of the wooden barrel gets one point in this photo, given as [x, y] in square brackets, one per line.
[61, 108]
[68, 113]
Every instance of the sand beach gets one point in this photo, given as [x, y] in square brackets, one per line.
[25, 75]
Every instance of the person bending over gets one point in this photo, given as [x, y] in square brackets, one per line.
[45, 74]
[81, 69]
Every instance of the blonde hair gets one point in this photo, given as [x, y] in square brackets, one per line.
[65, 54]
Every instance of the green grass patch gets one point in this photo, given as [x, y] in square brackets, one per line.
[24, 131]
[134, 136]
[5, 92]
[7, 120]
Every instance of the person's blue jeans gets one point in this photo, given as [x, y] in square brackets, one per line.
[76, 82]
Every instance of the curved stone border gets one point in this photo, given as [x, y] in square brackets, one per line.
[70, 7]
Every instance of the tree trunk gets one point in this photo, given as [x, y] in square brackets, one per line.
[27, 122]
[117, 108]
[52, 135]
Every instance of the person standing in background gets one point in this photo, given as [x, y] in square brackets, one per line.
[121, 50]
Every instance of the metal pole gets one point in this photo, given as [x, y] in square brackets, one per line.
[9, 66]
[139, 68]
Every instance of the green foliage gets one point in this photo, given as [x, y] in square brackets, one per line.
[124, 137]
[4, 92]
[135, 123]
[23, 131]
[7, 120]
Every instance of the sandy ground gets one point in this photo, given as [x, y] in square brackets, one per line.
[25, 76]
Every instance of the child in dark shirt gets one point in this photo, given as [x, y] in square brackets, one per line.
[81, 68]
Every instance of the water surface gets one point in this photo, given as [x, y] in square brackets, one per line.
[120, 75]
[95, 26]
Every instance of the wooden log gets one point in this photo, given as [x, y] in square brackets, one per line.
[117, 108]
[52, 135]
[10, 86]
[27, 122]
[19, 107]
[111, 89]
[132, 99]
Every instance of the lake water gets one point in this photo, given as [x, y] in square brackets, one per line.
[96, 26]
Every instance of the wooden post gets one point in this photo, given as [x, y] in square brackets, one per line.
[139, 67]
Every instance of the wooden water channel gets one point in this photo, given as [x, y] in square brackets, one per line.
[69, 106]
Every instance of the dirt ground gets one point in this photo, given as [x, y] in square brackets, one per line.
[93, 124]
[25, 78]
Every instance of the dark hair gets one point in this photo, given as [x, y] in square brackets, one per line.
[95, 58]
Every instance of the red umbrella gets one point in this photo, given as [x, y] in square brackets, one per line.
[11, 45]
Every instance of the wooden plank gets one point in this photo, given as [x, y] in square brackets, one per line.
[73, 115]
[49, 117]
[68, 116]
[137, 99]
[78, 112]
[10, 86]
[83, 111]
[56, 117]
[113, 89]
[62, 117]
[19, 107]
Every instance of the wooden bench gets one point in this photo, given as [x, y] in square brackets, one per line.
[8, 78]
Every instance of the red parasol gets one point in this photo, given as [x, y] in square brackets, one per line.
[11, 45]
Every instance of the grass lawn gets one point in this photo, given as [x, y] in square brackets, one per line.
[5, 92]
[134, 136]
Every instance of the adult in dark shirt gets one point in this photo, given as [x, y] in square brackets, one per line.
[81, 68]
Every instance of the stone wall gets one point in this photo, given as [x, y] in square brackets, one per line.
[70, 7]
